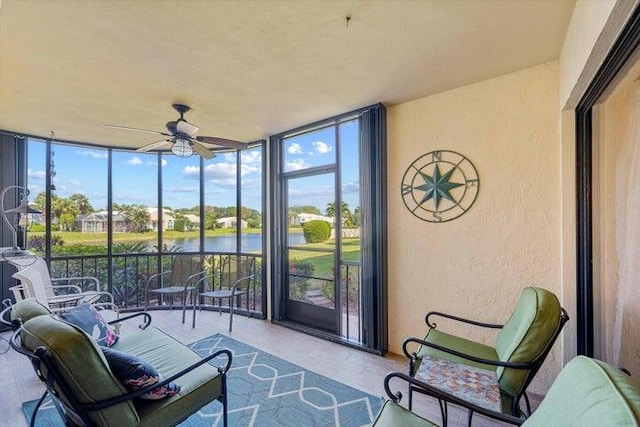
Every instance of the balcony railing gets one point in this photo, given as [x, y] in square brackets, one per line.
[125, 275]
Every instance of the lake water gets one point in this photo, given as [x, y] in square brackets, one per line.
[227, 243]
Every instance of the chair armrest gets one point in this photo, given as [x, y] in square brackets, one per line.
[75, 288]
[440, 394]
[91, 279]
[514, 365]
[80, 293]
[459, 319]
[204, 278]
[144, 325]
[193, 277]
[242, 279]
[119, 399]
[154, 276]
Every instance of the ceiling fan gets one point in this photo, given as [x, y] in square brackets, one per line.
[182, 135]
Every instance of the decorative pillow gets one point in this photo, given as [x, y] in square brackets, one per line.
[135, 374]
[87, 318]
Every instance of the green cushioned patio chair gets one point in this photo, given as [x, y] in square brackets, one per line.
[587, 393]
[83, 388]
[500, 373]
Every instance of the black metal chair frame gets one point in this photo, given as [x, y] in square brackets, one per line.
[232, 292]
[532, 367]
[74, 413]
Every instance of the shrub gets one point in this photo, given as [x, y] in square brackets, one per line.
[37, 228]
[316, 231]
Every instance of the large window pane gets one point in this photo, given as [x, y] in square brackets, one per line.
[315, 148]
[251, 182]
[79, 201]
[181, 203]
[36, 181]
[135, 197]
[220, 199]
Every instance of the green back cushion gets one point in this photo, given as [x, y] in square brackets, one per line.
[81, 364]
[526, 335]
[28, 309]
[589, 393]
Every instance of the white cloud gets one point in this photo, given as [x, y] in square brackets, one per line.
[92, 154]
[134, 161]
[295, 165]
[223, 173]
[312, 193]
[74, 182]
[295, 148]
[36, 174]
[163, 162]
[351, 188]
[252, 157]
[321, 147]
[183, 189]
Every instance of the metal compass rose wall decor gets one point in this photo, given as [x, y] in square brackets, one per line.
[440, 186]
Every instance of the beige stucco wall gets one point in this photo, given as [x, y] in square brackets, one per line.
[477, 265]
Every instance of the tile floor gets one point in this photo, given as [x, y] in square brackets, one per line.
[353, 367]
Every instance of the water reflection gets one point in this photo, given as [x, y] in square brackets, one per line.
[227, 243]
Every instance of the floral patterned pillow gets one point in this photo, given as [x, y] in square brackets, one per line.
[135, 374]
[87, 318]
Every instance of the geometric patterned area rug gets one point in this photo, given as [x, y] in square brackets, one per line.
[266, 391]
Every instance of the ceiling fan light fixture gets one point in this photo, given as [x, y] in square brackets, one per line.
[182, 148]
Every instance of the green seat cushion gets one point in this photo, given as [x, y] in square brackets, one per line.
[527, 335]
[28, 309]
[394, 415]
[81, 365]
[168, 356]
[460, 344]
[589, 393]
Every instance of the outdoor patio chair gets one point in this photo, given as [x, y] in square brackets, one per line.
[233, 281]
[180, 281]
[58, 294]
[587, 393]
[146, 378]
[492, 376]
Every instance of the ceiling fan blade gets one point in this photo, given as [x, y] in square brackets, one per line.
[203, 151]
[153, 145]
[222, 142]
[137, 130]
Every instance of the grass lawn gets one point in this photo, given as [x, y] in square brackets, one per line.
[323, 261]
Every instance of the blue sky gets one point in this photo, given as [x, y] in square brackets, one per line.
[83, 170]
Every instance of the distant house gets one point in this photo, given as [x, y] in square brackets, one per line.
[195, 221]
[167, 219]
[303, 218]
[96, 222]
[230, 222]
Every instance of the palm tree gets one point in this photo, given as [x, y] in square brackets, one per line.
[331, 210]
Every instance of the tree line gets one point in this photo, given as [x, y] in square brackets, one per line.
[65, 211]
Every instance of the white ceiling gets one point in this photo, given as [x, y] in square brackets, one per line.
[250, 69]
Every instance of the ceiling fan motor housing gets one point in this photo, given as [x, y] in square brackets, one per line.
[182, 128]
